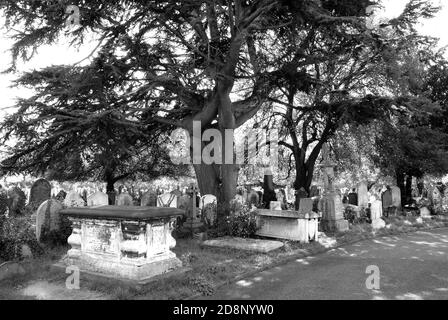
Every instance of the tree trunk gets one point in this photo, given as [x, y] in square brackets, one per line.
[408, 191]
[401, 184]
[110, 190]
[269, 191]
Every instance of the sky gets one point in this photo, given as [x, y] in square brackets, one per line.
[64, 54]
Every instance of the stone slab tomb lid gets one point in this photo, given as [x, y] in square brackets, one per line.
[288, 214]
[122, 212]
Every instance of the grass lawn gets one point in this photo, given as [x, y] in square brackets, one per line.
[210, 267]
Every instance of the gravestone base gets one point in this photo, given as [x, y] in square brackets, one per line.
[378, 224]
[140, 272]
[333, 226]
[191, 226]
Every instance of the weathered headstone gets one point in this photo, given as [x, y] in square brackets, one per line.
[40, 192]
[387, 199]
[396, 197]
[149, 199]
[73, 199]
[363, 195]
[98, 199]
[47, 217]
[125, 199]
[306, 206]
[17, 201]
[436, 198]
[207, 199]
[314, 192]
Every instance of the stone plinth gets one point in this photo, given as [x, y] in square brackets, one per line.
[288, 225]
[254, 245]
[333, 215]
[131, 243]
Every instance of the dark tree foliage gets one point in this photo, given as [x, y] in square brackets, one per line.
[75, 128]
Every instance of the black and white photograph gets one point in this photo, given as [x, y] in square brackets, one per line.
[224, 156]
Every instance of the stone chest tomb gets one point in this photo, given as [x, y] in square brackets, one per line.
[131, 243]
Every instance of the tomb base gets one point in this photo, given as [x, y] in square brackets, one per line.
[130, 243]
[332, 226]
[127, 270]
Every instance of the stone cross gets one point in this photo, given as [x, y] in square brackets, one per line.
[328, 170]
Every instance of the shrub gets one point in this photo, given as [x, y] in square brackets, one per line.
[241, 223]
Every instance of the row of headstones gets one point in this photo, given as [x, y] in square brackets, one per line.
[15, 199]
[390, 197]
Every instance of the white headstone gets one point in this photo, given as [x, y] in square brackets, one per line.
[98, 199]
[276, 206]
[208, 198]
[73, 199]
[376, 211]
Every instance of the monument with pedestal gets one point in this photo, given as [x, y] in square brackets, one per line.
[193, 224]
[301, 226]
[331, 202]
[130, 243]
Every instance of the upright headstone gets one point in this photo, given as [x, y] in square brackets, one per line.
[363, 195]
[149, 199]
[387, 199]
[207, 199]
[314, 192]
[331, 204]
[275, 206]
[396, 196]
[445, 201]
[436, 198]
[3, 202]
[17, 201]
[47, 217]
[353, 198]
[98, 199]
[253, 198]
[125, 199]
[73, 199]
[376, 212]
[40, 192]
[306, 206]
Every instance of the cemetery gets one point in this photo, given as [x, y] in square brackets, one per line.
[103, 171]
